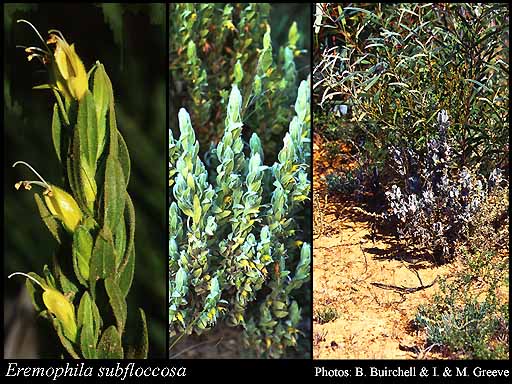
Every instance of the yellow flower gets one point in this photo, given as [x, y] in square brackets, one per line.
[59, 306]
[69, 70]
[60, 203]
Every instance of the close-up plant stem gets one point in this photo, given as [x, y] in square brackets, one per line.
[81, 285]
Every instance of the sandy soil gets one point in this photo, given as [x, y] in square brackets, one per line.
[373, 321]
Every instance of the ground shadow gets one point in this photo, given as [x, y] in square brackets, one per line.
[411, 255]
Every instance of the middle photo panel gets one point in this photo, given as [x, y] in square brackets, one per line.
[240, 181]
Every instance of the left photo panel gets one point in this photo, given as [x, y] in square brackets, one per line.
[85, 181]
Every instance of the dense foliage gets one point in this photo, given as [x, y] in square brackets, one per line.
[131, 43]
[235, 252]
[469, 317]
[239, 175]
[418, 95]
[216, 45]
[395, 66]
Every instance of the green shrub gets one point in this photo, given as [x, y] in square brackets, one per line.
[325, 315]
[235, 252]
[466, 326]
[470, 315]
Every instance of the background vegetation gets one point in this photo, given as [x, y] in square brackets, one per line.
[396, 65]
[222, 35]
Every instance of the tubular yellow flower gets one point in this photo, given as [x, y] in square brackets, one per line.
[66, 68]
[59, 306]
[60, 203]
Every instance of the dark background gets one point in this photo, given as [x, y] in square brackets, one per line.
[130, 40]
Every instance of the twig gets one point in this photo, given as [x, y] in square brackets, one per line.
[421, 354]
[404, 289]
[419, 277]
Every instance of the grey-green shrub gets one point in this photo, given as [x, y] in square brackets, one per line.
[235, 254]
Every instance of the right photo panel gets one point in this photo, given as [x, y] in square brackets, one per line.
[410, 181]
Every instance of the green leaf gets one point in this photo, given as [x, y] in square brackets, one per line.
[140, 351]
[71, 166]
[49, 278]
[117, 302]
[120, 242]
[482, 86]
[32, 289]
[84, 314]
[399, 84]
[82, 250]
[371, 83]
[127, 265]
[302, 105]
[124, 158]
[44, 283]
[51, 223]
[66, 284]
[265, 56]
[76, 174]
[61, 106]
[110, 346]
[280, 314]
[238, 73]
[114, 193]
[98, 321]
[87, 129]
[197, 210]
[87, 342]
[103, 259]
[101, 94]
[367, 12]
[56, 130]
[126, 276]
[63, 339]
[293, 35]
[88, 337]
[112, 124]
